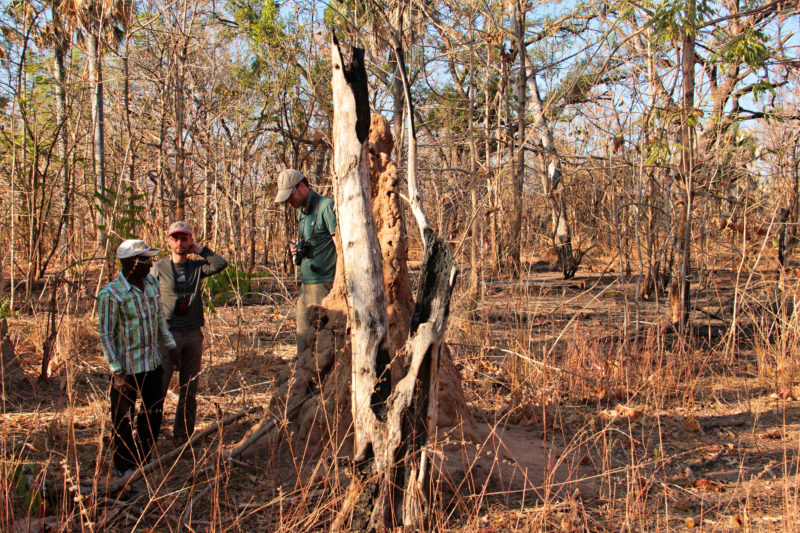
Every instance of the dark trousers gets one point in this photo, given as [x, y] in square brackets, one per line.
[189, 363]
[147, 385]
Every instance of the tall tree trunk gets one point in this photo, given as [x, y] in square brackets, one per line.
[179, 185]
[504, 153]
[61, 118]
[96, 77]
[34, 218]
[251, 263]
[126, 77]
[13, 229]
[474, 281]
[161, 167]
[518, 180]
[680, 297]
[398, 108]
[363, 272]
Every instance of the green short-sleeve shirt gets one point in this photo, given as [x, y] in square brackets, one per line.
[316, 226]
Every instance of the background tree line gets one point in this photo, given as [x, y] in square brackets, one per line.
[649, 136]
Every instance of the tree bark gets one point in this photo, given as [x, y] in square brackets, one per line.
[681, 296]
[179, 184]
[518, 181]
[96, 76]
[126, 101]
[59, 52]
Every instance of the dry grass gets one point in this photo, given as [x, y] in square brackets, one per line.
[639, 429]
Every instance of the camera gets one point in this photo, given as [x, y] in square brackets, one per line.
[301, 249]
[182, 306]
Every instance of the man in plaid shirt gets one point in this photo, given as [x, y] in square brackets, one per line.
[132, 328]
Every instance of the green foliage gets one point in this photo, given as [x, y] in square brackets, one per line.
[23, 478]
[260, 22]
[5, 308]
[267, 37]
[335, 16]
[670, 19]
[749, 47]
[657, 153]
[451, 112]
[282, 68]
[123, 208]
[232, 280]
[339, 12]
[761, 87]
[577, 84]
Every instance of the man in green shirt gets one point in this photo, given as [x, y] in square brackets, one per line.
[132, 332]
[314, 251]
[181, 286]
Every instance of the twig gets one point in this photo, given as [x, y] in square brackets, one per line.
[705, 462]
[229, 457]
[121, 482]
[526, 358]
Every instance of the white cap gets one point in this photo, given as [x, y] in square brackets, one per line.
[134, 247]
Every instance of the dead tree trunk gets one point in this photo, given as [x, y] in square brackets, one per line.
[553, 186]
[391, 427]
[362, 269]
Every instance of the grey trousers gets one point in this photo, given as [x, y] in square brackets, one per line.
[311, 294]
[190, 350]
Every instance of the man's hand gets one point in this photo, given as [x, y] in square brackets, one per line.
[174, 355]
[118, 380]
[196, 248]
[293, 247]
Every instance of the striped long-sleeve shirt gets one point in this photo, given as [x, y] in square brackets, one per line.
[132, 326]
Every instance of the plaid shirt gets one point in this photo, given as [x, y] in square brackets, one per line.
[131, 326]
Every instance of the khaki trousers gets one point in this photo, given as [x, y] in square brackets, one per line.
[310, 294]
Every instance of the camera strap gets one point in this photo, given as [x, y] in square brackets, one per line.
[180, 287]
[310, 218]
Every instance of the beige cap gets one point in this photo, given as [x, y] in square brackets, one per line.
[287, 181]
[134, 247]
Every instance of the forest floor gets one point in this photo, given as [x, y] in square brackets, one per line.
[589, 423]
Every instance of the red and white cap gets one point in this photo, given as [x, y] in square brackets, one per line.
[179, 227]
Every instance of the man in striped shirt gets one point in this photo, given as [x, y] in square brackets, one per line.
[132, 328]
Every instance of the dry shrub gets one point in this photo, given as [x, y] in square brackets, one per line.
[77, 336]
[776, 342]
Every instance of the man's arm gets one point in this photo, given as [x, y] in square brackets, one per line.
[214, 263]
[107, 315]
[166, 336]
[154, 272]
